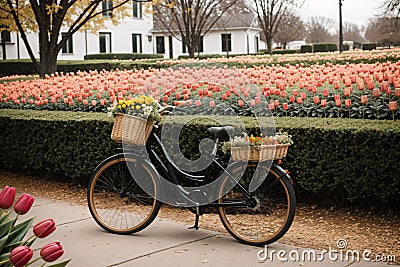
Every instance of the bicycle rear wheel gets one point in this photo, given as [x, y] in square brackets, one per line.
[264, 217]
[117, 203]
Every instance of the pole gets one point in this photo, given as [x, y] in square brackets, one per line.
[340, 27]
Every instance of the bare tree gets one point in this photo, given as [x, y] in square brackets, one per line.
[291, 29]
[189, 20]
[381, 31]
[318, 30]
[391, 8]
[352, 32]
[270, 15]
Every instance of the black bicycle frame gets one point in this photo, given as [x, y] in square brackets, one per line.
[169, 170]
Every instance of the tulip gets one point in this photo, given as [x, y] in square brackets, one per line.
[51, 252]
[7, 196]
[325, 92]
[316, 100]
[323, 102]
[291, 98]
[364, 99]
[397, 92]
[44, 228]
[198, 103]
[24, 204]
[376, 92]
[299, 100]
[347, 102]
[285, 106]
[338, 102]
[20, 256]
[240, 103]
[212, 104]
[392, 105]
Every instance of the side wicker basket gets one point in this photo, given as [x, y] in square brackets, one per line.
[263, 153]
[131, 130]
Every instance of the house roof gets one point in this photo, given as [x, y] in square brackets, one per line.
[227, 21]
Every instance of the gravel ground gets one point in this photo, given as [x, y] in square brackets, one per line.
[313, 227]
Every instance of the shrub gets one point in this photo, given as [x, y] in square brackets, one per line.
[306, 49]
[346, 47]
[121, 56]
[320, 47]
[344, 160]
[368, 46]
[332, 47]
[284, 51]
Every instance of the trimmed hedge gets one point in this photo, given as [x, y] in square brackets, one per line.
[284, 51]
[343, 160]
[120, 56]
[306, 49]
[320, 47]
[332, 47]
[368, 46]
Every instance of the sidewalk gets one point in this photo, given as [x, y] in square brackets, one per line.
[163, 243]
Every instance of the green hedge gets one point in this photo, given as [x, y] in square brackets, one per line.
[306, 49]
[368, 46]
[284, 51]
[343, 160]
[121, 56]
[332, 47]
[320, 47]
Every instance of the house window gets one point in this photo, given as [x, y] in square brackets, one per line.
[106, 5]
[105, 42]
[137, 9]
[6, 36]
[67, 47]
[226, 42]
[160, 44]
[199, 47]
[136, 43]
[257, 44]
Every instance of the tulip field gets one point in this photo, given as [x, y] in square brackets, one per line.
[355, 90]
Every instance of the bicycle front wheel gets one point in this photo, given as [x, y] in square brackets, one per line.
[117, 203]
[267, 214]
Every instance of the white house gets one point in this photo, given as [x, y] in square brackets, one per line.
[239, 34]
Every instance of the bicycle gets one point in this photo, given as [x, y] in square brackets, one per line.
[120, 205]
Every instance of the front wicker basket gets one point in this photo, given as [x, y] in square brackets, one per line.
[131, 130]
[263, 153]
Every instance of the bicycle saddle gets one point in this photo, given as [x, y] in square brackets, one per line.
[222, 133]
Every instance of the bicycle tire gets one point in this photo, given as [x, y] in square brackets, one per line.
[116, 202]
[267, 218]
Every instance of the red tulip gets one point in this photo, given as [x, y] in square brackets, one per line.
[24, 204]
[338, 102]
[325, 92]
[285, 106]
[299, 100]
[224, 97]
[397, 92]
[240, 103]
[7, 196]
[364, 99]
[376, 92]
[212, 104]
[316, 100]
[271, 106]
[347, 102]
[347, 91]
[51, 252]
[294, 92]
[94, 102]
[392, 105]
[291, 98]
[20, 256]
[323, 102]
[44, 228]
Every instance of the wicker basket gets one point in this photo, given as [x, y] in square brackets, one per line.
[263, 153]
[131, 130]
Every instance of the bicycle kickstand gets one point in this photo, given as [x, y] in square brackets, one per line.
[196, 222]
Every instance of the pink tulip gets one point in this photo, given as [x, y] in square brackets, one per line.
[392, 105]
[44, 228]
[20, 256]
[24, 204]
[316, 100]
[51, 252]
[7, 196]
[323, 102]
[364, 99]
[347, 102]
[376, 92]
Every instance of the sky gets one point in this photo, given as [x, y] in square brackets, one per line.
[356, 11]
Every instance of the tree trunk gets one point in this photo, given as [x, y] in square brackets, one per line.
[48, 62]
[191, 51]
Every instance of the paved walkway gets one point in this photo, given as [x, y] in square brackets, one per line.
[163, 243]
